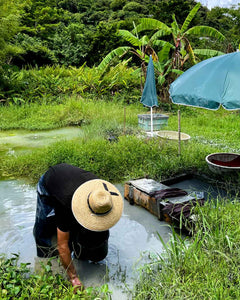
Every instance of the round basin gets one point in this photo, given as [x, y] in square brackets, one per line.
[173, 135]
[223, 162]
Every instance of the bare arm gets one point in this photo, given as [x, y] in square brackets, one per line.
[65, 257]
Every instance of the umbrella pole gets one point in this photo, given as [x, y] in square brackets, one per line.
[124, 121]
[151, 122]
[179, 133]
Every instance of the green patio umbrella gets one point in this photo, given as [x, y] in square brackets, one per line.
[149, 95]
[210, 84]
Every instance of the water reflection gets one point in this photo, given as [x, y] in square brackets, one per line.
[131, 239]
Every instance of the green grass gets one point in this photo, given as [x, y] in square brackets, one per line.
[74, 111]
[205, 266]
[132, 156]
[217, 128]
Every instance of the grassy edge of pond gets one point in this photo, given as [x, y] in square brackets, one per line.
[134, 156]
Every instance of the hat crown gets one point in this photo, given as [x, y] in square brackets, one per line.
[100, 202]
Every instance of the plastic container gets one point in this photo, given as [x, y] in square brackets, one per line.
[173, 135]
[221, 163]
[159, 121]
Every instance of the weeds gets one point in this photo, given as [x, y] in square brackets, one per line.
[17, 282]
[203, 267]
[53, 84]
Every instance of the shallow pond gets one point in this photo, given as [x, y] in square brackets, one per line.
[14, 141]
[131, 239]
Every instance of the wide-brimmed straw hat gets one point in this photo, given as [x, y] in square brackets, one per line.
[97, 205]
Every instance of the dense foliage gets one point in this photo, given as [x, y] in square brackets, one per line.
[53, 84]
[79, 34]
[72, 32]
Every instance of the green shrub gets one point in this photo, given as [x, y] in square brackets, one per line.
[52, 84]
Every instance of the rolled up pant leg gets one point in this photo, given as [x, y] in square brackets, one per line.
[45, 224]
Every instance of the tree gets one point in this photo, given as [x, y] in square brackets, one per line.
[9, 26]
[228, 21]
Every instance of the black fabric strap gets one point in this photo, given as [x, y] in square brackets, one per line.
[98, 214]
[106, 188]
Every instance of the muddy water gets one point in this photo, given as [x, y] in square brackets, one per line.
[14, 141]
[131, 239]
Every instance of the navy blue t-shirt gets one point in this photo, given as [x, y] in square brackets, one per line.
[61, 181]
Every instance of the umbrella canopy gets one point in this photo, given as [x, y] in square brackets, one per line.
[149, 95]
[210, 83]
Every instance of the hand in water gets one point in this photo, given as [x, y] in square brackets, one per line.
[77, 284]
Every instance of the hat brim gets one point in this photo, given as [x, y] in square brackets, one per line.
[83, 213]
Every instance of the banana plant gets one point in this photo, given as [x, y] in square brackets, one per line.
[140, 47]
[181, 46]
[165, 72]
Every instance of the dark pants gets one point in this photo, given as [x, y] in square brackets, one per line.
[45, 230]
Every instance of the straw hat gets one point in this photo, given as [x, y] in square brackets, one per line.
[97, 205]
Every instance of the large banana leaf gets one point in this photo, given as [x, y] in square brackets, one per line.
[175, 27]
[205, 31]
[152, 24]
[144, 40]
[129, 37]
[160, 33]
[189, 17]
[207, 52]
[120, 51]
[163, 54]
[162, 43]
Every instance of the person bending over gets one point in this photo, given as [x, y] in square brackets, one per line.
[80, 208]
